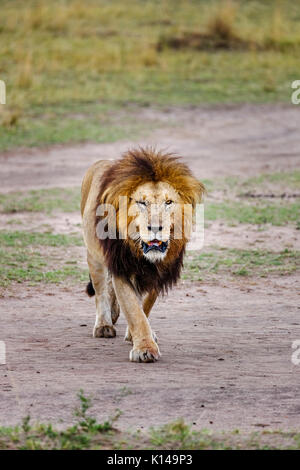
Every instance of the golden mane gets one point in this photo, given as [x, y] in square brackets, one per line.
[142, 165]
[136, 167]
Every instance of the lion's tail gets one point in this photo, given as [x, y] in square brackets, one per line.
[90, 289]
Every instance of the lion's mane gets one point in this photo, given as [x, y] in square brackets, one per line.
[136, 167]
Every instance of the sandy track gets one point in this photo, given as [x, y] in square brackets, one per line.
[226, 345]
[226, 358]
[218, 141]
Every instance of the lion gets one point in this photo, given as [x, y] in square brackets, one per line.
[139, 257]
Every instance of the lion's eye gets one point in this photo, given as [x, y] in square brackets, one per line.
[168, 202]
[143, 203]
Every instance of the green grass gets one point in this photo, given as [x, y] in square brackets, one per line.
[257, 213]
[284, 179]
[27, 239]
[42, 200]
[33, 268]
[234, 262]
[271, 198]
[278, 183]
[81, 435]
[179, 435]
[38, 257]
[68, 74]
[37, 129]
[87, 433]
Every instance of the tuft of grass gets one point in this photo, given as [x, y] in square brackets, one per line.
[9, 117]
[88, 423]
[84, 434]
[222, 23]
[235, 262]
[25, 74]
[178, 435]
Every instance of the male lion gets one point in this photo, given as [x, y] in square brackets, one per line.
[129, 224]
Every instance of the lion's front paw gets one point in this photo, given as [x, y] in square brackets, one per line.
[145, 353]
[106, 331]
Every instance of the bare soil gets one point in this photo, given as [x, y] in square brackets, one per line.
[218, 141]
[226, 345]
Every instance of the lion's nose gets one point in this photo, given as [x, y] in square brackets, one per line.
[155, 229]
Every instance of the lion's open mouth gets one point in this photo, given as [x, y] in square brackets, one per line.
[154, 245]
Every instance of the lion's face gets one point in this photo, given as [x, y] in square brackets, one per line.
[154, 210]
[149, 192]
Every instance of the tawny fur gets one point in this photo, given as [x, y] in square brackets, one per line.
[120, 273]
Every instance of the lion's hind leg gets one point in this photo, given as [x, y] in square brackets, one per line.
[107, 309]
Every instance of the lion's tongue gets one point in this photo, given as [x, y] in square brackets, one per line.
[154, 243]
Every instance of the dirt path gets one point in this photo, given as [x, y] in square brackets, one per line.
[226, 346]
[226, 358]
[220, 141]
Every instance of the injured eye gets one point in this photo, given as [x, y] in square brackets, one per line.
[142, 203]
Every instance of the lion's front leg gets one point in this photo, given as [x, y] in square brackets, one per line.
[144, 348]
[148, 303]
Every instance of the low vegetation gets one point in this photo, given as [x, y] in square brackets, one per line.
[271, 198]
[42, 200]
[233, 262]
[39, 257]
[257, 213]
[24, 239]
[45, 257]
[69, 74]
[276, 185]
[87, 433]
